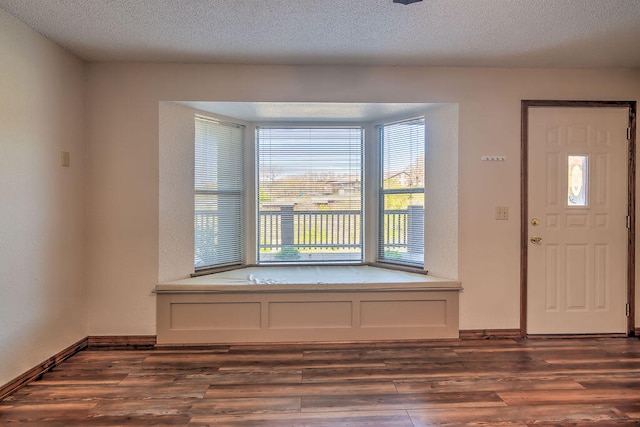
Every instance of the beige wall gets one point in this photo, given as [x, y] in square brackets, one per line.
[124, 159]
[176, 201]
[42, 221]
[441, 190]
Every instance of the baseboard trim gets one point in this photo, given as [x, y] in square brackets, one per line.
[122, 341]
[575, 336]
[35, 372]
[637, 332]
[116, 341]
[487, 334]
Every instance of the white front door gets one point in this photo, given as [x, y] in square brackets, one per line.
[577, 214]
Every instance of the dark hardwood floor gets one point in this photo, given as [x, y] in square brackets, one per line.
[584, 382]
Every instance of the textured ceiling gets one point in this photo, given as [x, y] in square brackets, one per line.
[495, 33]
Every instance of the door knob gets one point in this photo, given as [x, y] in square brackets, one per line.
[535, 239]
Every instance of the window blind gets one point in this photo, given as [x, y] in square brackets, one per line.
[310, 194]
[219, 188]
[401, 195]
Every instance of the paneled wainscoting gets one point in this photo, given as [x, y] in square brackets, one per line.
[581, 382]
[306, 304]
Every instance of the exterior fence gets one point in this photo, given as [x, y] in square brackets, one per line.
[324, 229]
[310, 229]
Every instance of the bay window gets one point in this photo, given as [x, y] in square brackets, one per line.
[309, 194]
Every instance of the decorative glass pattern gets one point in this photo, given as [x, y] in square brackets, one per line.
[578, 179]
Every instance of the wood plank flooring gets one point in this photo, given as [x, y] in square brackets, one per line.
[581, 382]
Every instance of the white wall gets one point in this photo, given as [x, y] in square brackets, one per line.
[42, 216]
[124, 159]
[175, 230]
[441, 190]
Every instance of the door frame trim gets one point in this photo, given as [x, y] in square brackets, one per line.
[524, 198]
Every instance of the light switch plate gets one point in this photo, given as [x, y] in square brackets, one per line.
[502, 212]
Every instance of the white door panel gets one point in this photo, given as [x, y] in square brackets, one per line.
[577, 208]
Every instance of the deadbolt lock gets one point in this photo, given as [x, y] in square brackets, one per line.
[535, 239]
[535, 221]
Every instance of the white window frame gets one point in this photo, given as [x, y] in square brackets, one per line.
[414, 221]
[371, 194]
[234, 229]
[360, 220]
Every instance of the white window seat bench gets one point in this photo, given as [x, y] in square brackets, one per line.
[304, 304]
